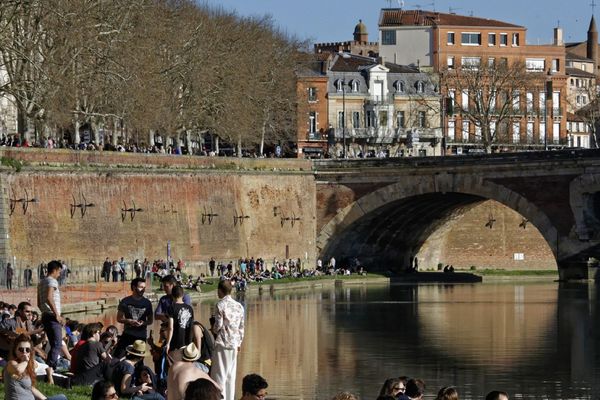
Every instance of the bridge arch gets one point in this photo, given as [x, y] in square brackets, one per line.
[390, 224]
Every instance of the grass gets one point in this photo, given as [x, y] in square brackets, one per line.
[75, 393]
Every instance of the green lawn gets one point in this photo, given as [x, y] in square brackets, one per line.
[76, 393]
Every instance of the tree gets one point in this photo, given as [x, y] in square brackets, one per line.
[494, 92]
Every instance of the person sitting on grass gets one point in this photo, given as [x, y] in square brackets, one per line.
[104, 390]
[19, 374]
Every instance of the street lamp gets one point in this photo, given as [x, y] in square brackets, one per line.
[344, 117]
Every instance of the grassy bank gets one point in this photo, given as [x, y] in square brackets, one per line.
[75, 393]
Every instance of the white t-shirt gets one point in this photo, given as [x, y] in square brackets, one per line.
[43, 288]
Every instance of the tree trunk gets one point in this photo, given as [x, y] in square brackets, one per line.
[114, 133]
[262, 139]
[188, 139]
[151, 137]
[239, 146]
[216, 144]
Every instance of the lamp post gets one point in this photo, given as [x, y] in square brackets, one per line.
[344, 117]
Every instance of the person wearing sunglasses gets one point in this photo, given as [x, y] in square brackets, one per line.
[19, 374]
[104, 390]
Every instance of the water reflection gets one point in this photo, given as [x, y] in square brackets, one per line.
[533, 340]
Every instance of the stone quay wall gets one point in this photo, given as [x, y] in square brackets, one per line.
[199, 207]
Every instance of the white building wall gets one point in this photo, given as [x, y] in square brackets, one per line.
[413, 46]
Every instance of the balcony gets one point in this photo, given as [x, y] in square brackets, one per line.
[379, 100]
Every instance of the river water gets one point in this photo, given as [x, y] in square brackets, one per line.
[533, 340]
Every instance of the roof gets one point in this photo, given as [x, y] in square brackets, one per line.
[579, 72]
[398, 16]
[360, 28]
[576, 57]
[352, 63]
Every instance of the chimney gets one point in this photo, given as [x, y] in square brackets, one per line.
[381, 60]
[558, 36]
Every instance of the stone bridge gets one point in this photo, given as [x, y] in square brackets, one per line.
[383, 210]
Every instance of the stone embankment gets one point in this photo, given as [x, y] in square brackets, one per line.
[104, 295]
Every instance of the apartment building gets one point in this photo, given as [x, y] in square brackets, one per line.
[441, 43]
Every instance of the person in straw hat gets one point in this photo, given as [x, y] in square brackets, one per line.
[123, 372]
[184, 370]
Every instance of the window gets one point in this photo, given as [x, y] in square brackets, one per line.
[542, 101]
[491, 62]
[399, 86]
[341, 119]
[451, 129]
[400, 119]
[530, 132]
[504, 39]
[491, 39]
[470, 62]
[529, 101]
[388, 37]
[516, 100]
[515, 39]
[312, 94]
[420, 86]
[465, 99]
[578, 100]
[535, 64]
[383, 118]
[370, 119]
[355, 86]
[542, 132]
[477, 132]
[556, 132]
[555, 65]
[470, 38]
[465, 130]
[422, 122]
[356, 119]
[339, 85]
[516, 132]
[312, 122]
[450, 62]
[450, 37]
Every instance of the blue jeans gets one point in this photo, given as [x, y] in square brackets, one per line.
[54, 333]
[57, 397]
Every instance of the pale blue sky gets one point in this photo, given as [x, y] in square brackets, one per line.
[334, 20]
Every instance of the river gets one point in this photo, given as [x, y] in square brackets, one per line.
[533, 340]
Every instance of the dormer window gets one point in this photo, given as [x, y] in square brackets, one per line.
[355, 86]
[399, 86]
[420, 86]
[339, 85]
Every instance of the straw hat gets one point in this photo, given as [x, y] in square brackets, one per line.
[191, 352]
[138, 348]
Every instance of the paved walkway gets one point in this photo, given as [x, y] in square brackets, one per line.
[71, 294]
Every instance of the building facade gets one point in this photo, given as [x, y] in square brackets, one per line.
[448, 42]
[373, 109]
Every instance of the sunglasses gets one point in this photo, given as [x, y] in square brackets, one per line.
[24, 349]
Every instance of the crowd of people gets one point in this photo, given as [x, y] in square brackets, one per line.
[190, 361]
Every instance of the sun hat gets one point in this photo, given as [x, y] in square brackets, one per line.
[191, 352]
[138, 348]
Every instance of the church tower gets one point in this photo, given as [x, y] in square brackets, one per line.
[592, 44]
[360, 32]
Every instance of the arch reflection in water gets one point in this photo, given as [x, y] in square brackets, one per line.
[532, 340]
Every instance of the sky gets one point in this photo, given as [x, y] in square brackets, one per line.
[334, 20]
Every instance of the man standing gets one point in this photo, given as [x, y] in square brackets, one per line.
[254, 387]
[135, 312]
[9, 276]
[48, 297]
[211, 266]
[168, 283]
[106, 267]
[181, 317]
[229, 333]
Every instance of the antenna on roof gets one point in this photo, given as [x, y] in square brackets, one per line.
[452, 10]
[593, 4]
